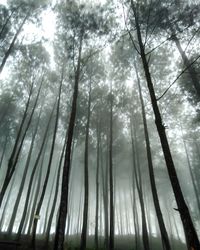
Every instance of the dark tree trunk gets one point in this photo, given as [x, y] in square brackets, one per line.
[191, 174]
[8, 19]
[134, 207]
[41, 198]
[190, 232]
[138, 182]
[62, 214]
[12, 44]
[112, 223]
[18, 144]
[37, 185]
[49, 224]
[4, 150]
[86, 181]
[5, 209]
[11, 159]
[14, 213]
[187, 63]
[32, 177]
[163, 231]
[97, 189]
[105, 196]
[48, 206]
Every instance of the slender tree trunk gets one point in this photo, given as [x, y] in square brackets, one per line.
[190, 232]
[191, 174]
[41, 198]
[112, 223]
[49, 224]
[32, 177]
[163, 231]
[19, 195]
[5, 209]
[86, 181]
[4, 150]
[122, 227]
[79, 213]
[196, 169]
[48, 206]
[16, 151]
[187, 63]
[8, 19]
[97, 191]
[8, 52]
[37, 184]
[60, 229]
[138, 181]
[134, 209]
[104, 181]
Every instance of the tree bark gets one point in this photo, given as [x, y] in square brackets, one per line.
[32, 177]
[49, 224]
[190, 68]
[41, 198]
[190, 232]
[8, 52]
[17, 147]
[112, 223]
[163, 231]
[86, 181]
[19, 195]
[60, 229]
[97, 190]
[138, 182]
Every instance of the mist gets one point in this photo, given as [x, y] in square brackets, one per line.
[99, 125]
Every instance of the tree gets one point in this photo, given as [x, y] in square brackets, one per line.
[81, 25]
[190, 232]
[164, 235]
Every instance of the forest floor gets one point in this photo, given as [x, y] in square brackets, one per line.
[121, 243]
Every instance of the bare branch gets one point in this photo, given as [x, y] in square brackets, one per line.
[182, 72]
[191, 39]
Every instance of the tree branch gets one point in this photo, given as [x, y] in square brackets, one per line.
[182, 72]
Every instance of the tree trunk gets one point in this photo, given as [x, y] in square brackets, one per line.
[19, 195]
[86, 181]
[60, 229]
[190, 232]
[112, 223]
[6, 203]
[4, 150]
[37, 184]
[8, 19]
[191, 173]
[138, 181]
[49, 224]
[163, 231]
[17, 148]
[32, 177]
[39, 205]
[97, 190]
[8, 52]
[187, 63]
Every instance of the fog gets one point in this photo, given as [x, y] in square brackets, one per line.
[99, 125]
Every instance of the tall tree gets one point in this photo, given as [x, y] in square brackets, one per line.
[112, 213]
[190, 232]
[86, 177]
[164, 234]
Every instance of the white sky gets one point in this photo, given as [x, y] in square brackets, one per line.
[33, 33]
[3, 2]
